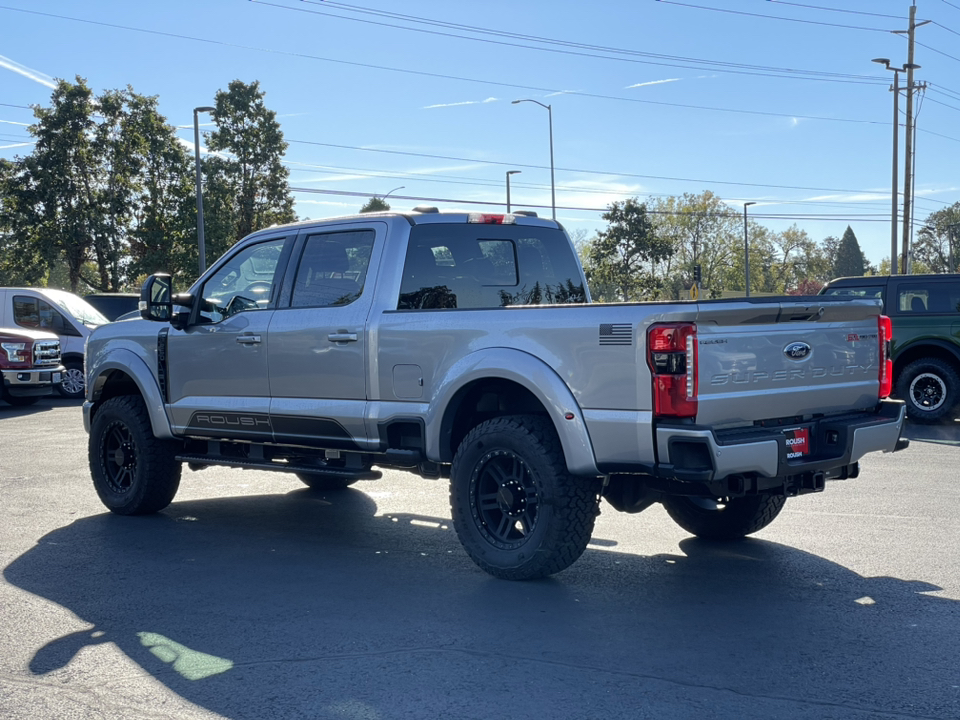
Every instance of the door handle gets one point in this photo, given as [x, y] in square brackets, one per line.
[248, 339]
[342, 337]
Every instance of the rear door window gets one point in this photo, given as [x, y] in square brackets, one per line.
[928, 298]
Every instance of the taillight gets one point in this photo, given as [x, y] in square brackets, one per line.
[885, 327]
[672, 357]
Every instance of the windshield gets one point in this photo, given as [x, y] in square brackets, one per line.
[76, 307]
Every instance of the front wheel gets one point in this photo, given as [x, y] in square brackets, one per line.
[134, 473]
[72, 385]
[21, 400]
[518, 512]
[930, 388]
[725, 518]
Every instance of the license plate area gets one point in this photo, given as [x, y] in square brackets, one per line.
[798, 443]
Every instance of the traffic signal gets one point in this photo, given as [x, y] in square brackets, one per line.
[697, 276]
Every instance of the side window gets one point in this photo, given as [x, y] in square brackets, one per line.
[247, 282]
[913, 300]
[332, 269]
[34, 313]
[934, 298]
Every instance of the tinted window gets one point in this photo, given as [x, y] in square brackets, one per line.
[933, 298]
[35, 313]
[474, 266]
[332, 269]
[245, 283]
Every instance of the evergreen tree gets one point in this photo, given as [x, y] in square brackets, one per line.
[849, 260]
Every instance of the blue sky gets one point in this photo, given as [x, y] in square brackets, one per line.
[649, 98]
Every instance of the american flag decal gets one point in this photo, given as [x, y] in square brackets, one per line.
[619, 334]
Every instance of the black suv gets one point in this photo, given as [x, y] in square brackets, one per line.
[925, 310]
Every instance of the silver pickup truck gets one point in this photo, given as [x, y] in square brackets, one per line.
[464, 345]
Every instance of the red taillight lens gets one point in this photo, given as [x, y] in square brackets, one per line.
[672, 357]
[885, 327]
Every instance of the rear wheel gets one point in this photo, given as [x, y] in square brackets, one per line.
[931, 389]
[518, 512]
[72, 385]
[724, 518]
[134, 473]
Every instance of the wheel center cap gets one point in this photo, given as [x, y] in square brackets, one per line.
[511, 498]
[119, 458]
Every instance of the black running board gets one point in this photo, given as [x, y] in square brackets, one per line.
[248, 464]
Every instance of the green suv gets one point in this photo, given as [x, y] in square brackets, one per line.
[925, 310]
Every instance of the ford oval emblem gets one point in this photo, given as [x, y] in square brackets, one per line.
[797, 350]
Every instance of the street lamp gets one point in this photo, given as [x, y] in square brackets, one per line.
[393, 191]
[509, 173]
[201, 248]
[894, 260]
[746, 246]
[553, 187]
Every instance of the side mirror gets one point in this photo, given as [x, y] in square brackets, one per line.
[156, 298]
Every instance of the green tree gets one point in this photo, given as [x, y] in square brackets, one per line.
[623, 258]
[245, 179]
[849, 260]
[938, 241]
[375, 204]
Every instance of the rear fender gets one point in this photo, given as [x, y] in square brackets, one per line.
[534, 375]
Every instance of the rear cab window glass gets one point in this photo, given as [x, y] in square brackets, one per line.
[483, 266]
[867, 291]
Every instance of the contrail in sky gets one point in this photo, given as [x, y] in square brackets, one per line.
[34, 75]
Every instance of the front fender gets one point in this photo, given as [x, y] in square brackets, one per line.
[135, 367]
[534, 375]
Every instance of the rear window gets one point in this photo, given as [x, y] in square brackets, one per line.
[483, 266]
[867, 291]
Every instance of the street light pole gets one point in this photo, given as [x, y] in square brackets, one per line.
[553, 186]
[509, 173]
[201, 248]
[746, 246]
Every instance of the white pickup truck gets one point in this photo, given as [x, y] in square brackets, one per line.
[464, 345]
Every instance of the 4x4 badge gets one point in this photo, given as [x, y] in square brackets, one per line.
[797, 350]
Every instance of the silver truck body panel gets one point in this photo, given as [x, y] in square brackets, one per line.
[333, 376]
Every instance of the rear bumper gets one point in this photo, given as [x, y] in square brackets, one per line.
[689, 453]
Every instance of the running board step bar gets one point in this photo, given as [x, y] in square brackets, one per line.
[248, 464]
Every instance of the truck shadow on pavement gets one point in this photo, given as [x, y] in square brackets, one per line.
[311, 605]
[945, 433]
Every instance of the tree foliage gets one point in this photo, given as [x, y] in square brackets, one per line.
[622, 260]
[375, 204]
[939, 241]
[849, 260]
[246, 182]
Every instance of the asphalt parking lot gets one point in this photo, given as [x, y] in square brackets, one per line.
[253, 597]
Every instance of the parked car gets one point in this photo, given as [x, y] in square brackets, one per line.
[113, 305]
[925, 310]
[68, 316]
[29, 364]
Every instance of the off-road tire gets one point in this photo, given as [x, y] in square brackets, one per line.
[134, 473]
[731, 519]
[73, 382]
[518, 512]
[325, 482]
[931, 389]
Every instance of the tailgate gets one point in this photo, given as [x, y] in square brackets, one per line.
[785, 359]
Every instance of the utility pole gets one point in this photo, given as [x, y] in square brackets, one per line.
[908, 151]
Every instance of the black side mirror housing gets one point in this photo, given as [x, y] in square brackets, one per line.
[156, 298]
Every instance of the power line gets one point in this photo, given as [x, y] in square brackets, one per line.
[773, 17]
[739, 68]
[939, 52]
[839, 10]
